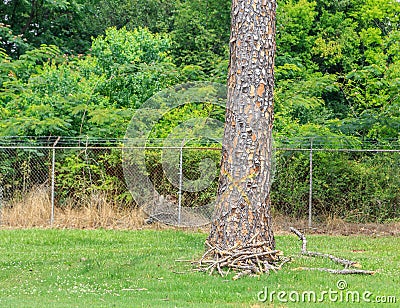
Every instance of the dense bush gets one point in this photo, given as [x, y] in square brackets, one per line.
[356, 186]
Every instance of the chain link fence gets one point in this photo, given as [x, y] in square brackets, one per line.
[43, 180]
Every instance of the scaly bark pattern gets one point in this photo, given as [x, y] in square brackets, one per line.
[243, 203]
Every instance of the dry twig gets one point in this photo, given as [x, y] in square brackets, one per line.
[346, 263]
[334, 271]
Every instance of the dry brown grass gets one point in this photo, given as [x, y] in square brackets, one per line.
[31, 210]
[34, 210]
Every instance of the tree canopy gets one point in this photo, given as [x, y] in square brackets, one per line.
[81, 67]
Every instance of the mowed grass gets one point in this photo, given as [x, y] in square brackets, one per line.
[110, 268]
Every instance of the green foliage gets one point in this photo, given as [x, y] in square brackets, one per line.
[365, 188]
[156, 15]
[22, 170]
[354, 44]
[135, 64]
[352, 186]
[196, 165]
[293, 31]
[43, 22]
[119, 47]
[50, 94]
[351, 44]
[82, 174]
[77, 68]
[299, 100]
[11, 43]
[200, 33]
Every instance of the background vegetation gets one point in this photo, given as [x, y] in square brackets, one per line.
[80, 68]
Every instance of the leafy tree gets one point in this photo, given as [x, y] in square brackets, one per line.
[54, 94]
[135, 64]
[71, 24]
[156, 15]
[200, 33]
[38, 22]
[294, 31]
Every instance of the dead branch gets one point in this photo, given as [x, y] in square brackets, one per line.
[304, 251]
[302, 238]
[341, 272]
[346, 263]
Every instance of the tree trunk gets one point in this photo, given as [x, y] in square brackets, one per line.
[243, 203]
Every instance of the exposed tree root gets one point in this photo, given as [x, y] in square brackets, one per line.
[350, 267]
[254, 258]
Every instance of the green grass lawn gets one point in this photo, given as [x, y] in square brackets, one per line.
[103, 268]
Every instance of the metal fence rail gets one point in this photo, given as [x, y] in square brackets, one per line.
[358, 182]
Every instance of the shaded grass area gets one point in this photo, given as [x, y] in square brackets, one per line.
[110, 268]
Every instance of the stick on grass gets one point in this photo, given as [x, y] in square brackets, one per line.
[348, 264]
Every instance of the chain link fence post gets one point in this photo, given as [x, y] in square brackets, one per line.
[1, 202]
[180, 181]
[53, 179]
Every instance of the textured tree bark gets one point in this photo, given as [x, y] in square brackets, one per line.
[243, 203]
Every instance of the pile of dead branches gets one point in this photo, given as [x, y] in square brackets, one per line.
[252, 259]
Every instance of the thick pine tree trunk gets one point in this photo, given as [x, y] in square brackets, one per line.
[243, 203]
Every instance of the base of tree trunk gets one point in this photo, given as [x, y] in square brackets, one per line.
[253, 259]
